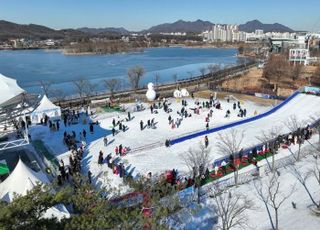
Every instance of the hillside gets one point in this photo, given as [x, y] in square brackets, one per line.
[251, 26]
[107, 30]
[12, 30]
[181, 26]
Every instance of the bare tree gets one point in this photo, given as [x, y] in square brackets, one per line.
[229, 144]
[157, 79]
[276, 69]
[135, 74]
[175, 78]
[81, 86]
[316, 119]
[315, 170]
[295, 72]
[230, 208]
[303, 177]
[269, 137]
[202, 70]
[197, 160]
[315, 78]
[241, 50]
[112, 85]
[59, 94]
[294, 125]
[213, 68]
[91, 89]
[271, 194]
[46, 87]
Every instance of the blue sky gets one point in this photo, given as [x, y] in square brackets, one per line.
[142, 14]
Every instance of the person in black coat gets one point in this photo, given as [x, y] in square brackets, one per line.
[141, 125]
[100, 159]
[120, 149]
[91, 128]
[89, 176]
[206, 141]
[108, 158]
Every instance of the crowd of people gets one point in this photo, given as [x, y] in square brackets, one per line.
[74, 167]
[251, 156]
[113, 158]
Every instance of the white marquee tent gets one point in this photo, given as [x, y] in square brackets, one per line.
[23, 179]
[9, 90]
[46, 107]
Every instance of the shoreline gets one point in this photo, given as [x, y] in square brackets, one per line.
[64, 52]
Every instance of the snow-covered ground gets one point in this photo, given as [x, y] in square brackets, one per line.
[159, 159]
[289, 218]
[148, 152]
[155, 160]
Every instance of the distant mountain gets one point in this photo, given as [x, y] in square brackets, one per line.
[181, 26]
[251, 26]
[32, 31]
[107, 30]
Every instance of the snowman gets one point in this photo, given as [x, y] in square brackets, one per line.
[184, 92]
[151, 93]
[177, 93]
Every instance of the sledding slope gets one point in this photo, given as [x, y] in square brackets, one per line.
[295, 102]
[160, 159]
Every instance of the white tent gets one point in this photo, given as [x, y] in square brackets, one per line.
[9, 89]
[20, 181]
[46, 107]
[23, 179]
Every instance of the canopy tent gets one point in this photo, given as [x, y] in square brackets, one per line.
[23, 179]
[46, 107]
[10, 91]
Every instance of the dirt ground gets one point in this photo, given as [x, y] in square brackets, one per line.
[253, 81]
[242, 97]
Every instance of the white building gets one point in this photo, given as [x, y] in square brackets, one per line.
[231, 33]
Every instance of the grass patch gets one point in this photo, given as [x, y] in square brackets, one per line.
[111, 109]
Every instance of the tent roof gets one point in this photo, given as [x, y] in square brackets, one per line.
[21, 180]
[59, 211]
[9, 89]
[46, 104]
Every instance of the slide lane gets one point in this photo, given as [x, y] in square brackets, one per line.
[292, 99]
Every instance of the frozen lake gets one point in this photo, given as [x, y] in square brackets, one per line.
[31, 66]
